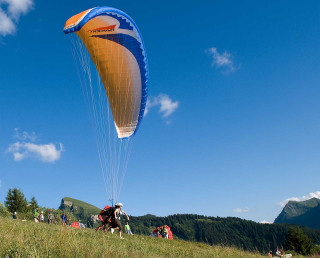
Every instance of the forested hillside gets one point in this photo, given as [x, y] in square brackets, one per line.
[229, 231]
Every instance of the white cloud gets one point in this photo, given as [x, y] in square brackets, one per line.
[17, 156]
[26, 148]
[240, 210]
[10, 12]
[18, 7]
[6, 24]
[221, 60]
[44, 152]
[166, 105]
[299, 199]
[265, 222]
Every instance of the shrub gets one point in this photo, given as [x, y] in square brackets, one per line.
[4, 211]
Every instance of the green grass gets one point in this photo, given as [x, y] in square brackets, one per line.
[29, 239]
[89, 208]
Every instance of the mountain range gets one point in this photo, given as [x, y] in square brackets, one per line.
[304, 213]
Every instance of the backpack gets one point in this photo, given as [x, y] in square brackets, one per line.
[106, 213]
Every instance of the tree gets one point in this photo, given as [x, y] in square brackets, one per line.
[15, 200]
[33, 203]
[298, 241]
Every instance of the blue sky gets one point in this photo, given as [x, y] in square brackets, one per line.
[240, 128]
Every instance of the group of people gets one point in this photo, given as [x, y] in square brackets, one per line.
[39, 216]
[163, 232]
[110, 218]
[279, 253]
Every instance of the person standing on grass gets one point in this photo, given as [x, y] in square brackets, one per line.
[41, 217]
[117, 214]
[14, 216]
[165, 232]
[50, 217]
[36, 215]
[64, 219]
[127, 229]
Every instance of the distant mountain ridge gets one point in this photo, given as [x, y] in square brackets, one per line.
[305, 213]
[83, 211]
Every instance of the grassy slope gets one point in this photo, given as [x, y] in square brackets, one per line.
[89, 208]
[27, 238]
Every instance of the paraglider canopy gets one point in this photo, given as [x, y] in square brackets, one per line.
[116, 48]
[77, 225]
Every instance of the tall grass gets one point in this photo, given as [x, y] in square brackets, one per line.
[29, 239]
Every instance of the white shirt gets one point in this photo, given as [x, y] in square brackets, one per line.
[118, 213]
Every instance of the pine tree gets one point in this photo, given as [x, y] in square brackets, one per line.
[298, 241]
[15, 200]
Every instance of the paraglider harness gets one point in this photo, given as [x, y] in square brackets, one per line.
[106, 213]
[107, 217]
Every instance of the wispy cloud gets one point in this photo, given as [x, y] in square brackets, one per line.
[7, 26]
[299, 199]
[166, 105]
[240, 210]
[223, 61]
[26, 148]
[10, 12]
[23, 136]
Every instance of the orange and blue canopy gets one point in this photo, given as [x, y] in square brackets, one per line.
[116, 47]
